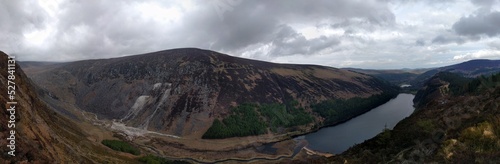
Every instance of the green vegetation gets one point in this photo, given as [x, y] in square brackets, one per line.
[456, 81]
[426, 125]
[479, 84]
[277, 115]
[460, 85]
[121, 146]
[151, 159]
[384, 138]
[244, 121]
[335, 111]
[252, 119]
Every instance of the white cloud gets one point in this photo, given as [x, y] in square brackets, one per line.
[481, 54]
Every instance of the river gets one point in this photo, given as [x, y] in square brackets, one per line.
[339, 138]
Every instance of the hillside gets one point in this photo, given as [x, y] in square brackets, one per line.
[440, 85]
[182, 91]
[459, 125]
[41, 135]
[397, 76]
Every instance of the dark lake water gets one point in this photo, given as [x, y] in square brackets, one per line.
[339, 138]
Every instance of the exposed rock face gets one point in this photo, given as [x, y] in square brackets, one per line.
[182, 91]
[41, 136]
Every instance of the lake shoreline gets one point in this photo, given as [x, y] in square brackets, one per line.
[362, 127]
[341, 121]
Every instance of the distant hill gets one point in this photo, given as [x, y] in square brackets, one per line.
[396, 77]
[417, 77]
[472, 69]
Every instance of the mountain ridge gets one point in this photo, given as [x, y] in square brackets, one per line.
[196, 79]
[416, 78]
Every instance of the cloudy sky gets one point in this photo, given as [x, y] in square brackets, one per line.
[381, 34]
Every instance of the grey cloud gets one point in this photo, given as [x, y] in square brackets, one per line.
[289, 42]
[447, 38]
[269, 30]
[495, 45]
[484, 3]
[259, 22]
[300, 10]
[16, 16]
[480, 24]
[369, 23]
[101, 29]
[420, 42]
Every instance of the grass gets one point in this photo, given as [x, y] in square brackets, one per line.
[151, 159]
[121, 146]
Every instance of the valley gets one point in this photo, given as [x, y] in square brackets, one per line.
[249, 81]
[201, 106]
[205, 106]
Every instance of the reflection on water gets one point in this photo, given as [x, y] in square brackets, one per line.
[339, 138]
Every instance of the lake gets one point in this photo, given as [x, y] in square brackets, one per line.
[339, 138]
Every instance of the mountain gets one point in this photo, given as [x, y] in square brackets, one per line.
[416, 78]
[459, 122]
[396, 76]
[471, 69]
[36, 134]
[183, 91]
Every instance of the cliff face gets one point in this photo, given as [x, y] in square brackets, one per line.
[41, 136]
[182, 91]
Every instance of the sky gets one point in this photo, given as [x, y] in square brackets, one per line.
[372, 34]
